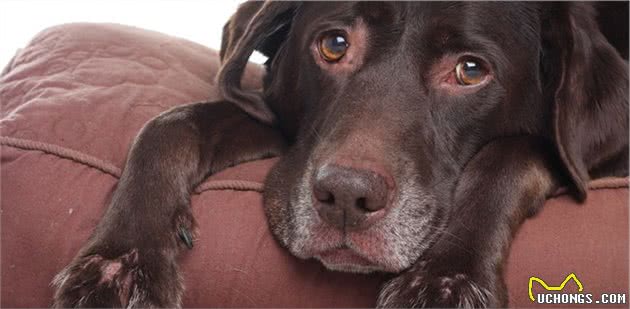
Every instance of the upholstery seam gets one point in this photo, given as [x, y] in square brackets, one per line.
[114, 171]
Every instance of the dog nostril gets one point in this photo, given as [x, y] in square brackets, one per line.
[329, 200]
[361, 203]
[325, 197]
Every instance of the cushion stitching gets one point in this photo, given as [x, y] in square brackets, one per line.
[112, 170]
[62, 152]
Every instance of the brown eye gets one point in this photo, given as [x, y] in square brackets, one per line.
[333, 47]
[470, 72]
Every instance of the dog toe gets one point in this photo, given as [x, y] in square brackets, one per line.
[130, 280]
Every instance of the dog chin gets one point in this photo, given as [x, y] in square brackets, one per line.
[346, 260]
[350, 268]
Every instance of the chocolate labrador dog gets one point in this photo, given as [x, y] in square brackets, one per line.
[414, 138]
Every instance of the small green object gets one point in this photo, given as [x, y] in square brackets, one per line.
[185, 236]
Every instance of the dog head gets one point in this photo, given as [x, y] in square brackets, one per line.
[385, 103]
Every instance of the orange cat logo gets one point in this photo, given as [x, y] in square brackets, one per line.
[553, 288]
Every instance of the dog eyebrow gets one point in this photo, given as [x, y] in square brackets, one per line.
[376, 12]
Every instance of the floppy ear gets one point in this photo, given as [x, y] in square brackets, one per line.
[587, 82]
[260, 26]
[235, 26]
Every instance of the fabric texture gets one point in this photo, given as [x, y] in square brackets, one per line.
[72, 102]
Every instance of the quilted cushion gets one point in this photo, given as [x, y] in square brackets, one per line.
[71, 103]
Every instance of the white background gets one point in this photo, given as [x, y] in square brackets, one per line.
[200, 21]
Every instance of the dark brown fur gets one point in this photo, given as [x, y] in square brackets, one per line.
[461, 171]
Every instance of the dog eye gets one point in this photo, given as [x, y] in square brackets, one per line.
[333, 47]
[470, 72]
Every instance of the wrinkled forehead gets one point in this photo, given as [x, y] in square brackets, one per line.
[444, 26]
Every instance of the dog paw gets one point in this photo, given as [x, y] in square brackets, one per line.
[421, 288]
[132, 280]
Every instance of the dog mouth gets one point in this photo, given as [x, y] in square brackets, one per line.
[346, 259]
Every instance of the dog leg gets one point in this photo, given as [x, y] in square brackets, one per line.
[129, 260]
[506, 182]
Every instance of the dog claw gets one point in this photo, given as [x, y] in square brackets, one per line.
[186, 237]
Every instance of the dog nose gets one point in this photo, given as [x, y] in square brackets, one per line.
[349, 198]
